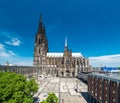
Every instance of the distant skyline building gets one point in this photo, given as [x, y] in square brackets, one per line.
[64, 64]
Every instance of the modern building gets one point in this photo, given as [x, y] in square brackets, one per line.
[64, 64]
[108, 69]
[104, 88]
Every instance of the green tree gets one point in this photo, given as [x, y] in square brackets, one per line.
[15, 88]
[51, 98]
[44, 101]
[118, 68]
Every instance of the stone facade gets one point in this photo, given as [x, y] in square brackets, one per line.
[65, 64]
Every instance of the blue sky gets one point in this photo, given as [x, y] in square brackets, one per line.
[91, 26]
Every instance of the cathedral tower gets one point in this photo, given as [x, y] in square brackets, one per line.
[63, 64]
[40, 46]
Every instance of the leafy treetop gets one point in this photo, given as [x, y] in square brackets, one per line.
[52, 98]
[15, 88]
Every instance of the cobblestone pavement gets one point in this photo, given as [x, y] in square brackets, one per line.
[68, 90]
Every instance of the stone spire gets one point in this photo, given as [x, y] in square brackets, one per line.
[44, 32]
[66, 42]
[41, 45]
[66, 45]
[40, 27]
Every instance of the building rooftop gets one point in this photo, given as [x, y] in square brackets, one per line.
[53, 54]
[111, 76]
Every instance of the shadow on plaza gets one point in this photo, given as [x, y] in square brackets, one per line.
[85, 96]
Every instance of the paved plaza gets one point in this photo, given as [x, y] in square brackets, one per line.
[68, 90]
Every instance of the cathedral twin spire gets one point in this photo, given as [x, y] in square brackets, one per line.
[41, 35]
[41, 28]
[42, 32]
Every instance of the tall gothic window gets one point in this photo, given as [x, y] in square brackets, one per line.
[67, 61]
[39, 41]
[39, 51]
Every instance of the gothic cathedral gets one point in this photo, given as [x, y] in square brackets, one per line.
[64, 64]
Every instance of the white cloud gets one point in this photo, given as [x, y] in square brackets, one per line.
[4, 52]
[1, 46]
[14, 42]
[10, 38]
[106, 60]
[24, 61]
[16, 60]
[12, 58]
[11, 53]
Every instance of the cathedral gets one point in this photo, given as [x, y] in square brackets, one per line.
[64, 64]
